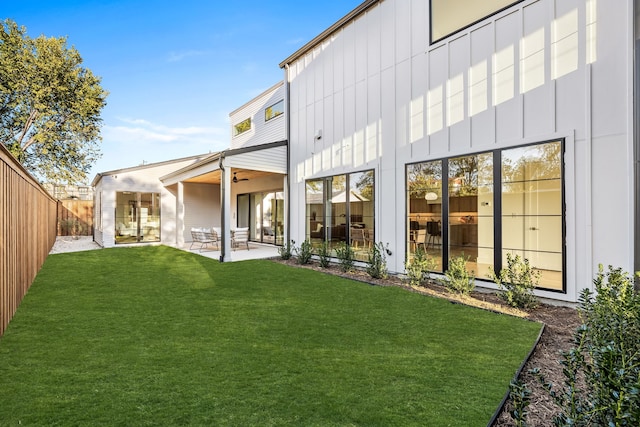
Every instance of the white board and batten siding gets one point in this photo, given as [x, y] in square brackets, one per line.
[269, 159]
[261, 132]
[541, 70]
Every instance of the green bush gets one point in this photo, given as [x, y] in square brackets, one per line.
[377, 261]
[520, 397]
[517, 282]
[345, 256]
[457, 278]
[417, 270]
[324, 253]
[304, 252]
[285, 250]
[602, 370]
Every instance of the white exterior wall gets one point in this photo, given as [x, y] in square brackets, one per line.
[144, 179]
[261, 132]
[538, 71]
[203, 207]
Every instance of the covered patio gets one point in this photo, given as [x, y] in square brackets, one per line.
[237, 188]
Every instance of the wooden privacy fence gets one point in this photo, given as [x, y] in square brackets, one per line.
[27, 233]
[78, 212]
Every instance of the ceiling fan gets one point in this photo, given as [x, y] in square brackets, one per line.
[236, 179]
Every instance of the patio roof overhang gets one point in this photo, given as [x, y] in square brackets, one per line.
[249, 162]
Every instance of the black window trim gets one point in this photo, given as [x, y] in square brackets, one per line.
[497, 199]
[432, 41]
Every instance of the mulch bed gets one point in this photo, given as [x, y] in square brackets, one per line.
[560, 323]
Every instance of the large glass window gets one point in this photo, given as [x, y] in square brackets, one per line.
[424, 223]
[137, 217]
[532, 224]
[465, 218]
[341, 209]
[450, 16]
[471, 211]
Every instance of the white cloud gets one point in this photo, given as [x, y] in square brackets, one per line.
[179, 56]
[141, 131]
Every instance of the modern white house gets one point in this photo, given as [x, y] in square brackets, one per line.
[475, 129]
[243, 186]
[457, 127]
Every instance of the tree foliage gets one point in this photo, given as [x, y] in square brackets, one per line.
[49, 105]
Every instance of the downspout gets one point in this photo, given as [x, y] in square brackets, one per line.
[223, 225]
[287, 133]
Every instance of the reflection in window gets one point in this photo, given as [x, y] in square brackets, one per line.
[341, 209]
[532, 208]
[242, 127]
[137, 217]
[471, 212]
[263, 213]
[424, 223]
[274, 111]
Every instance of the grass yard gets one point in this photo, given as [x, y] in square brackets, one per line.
[157, 336]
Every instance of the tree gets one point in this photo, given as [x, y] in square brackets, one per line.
[49, 106]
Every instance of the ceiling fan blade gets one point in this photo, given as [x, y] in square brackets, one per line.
[236, 179]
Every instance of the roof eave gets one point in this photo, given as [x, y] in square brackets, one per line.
[326, 33]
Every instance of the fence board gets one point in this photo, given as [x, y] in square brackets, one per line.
[27, 233]
[76, 210]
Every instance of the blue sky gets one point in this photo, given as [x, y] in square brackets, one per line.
[175, 69]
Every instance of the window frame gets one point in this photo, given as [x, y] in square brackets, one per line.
[497, 210]
[464, 27]
[327, 217]
[266, 119]
[237, 132]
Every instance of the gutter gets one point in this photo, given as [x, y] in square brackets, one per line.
[223, 189]
[287, 111]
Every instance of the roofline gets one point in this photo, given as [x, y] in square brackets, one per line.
[241, 150]
[323, 35]
[145, 166]
[203, 161]
[272, 88]
[225, 153]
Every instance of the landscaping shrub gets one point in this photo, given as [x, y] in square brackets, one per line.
[602, 370]
[304, 252]
[517, 282]
[457, 278]
[324, 253]
[418, 268]
[345, 256]
[377, 261]
[520, 396]
[285, 250]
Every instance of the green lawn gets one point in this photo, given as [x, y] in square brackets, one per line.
[157, 336]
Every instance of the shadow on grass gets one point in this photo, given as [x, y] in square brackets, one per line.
[154, 335]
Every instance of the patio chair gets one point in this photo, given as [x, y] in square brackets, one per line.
[239, 236]
[204, 237]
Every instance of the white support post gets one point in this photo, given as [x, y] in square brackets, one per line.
[180, 215]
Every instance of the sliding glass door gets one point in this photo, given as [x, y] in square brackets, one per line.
[137, 217]
[263, 213]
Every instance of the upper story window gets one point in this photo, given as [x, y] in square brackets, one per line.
[451, 16]
[242, 127]
[274, 111]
